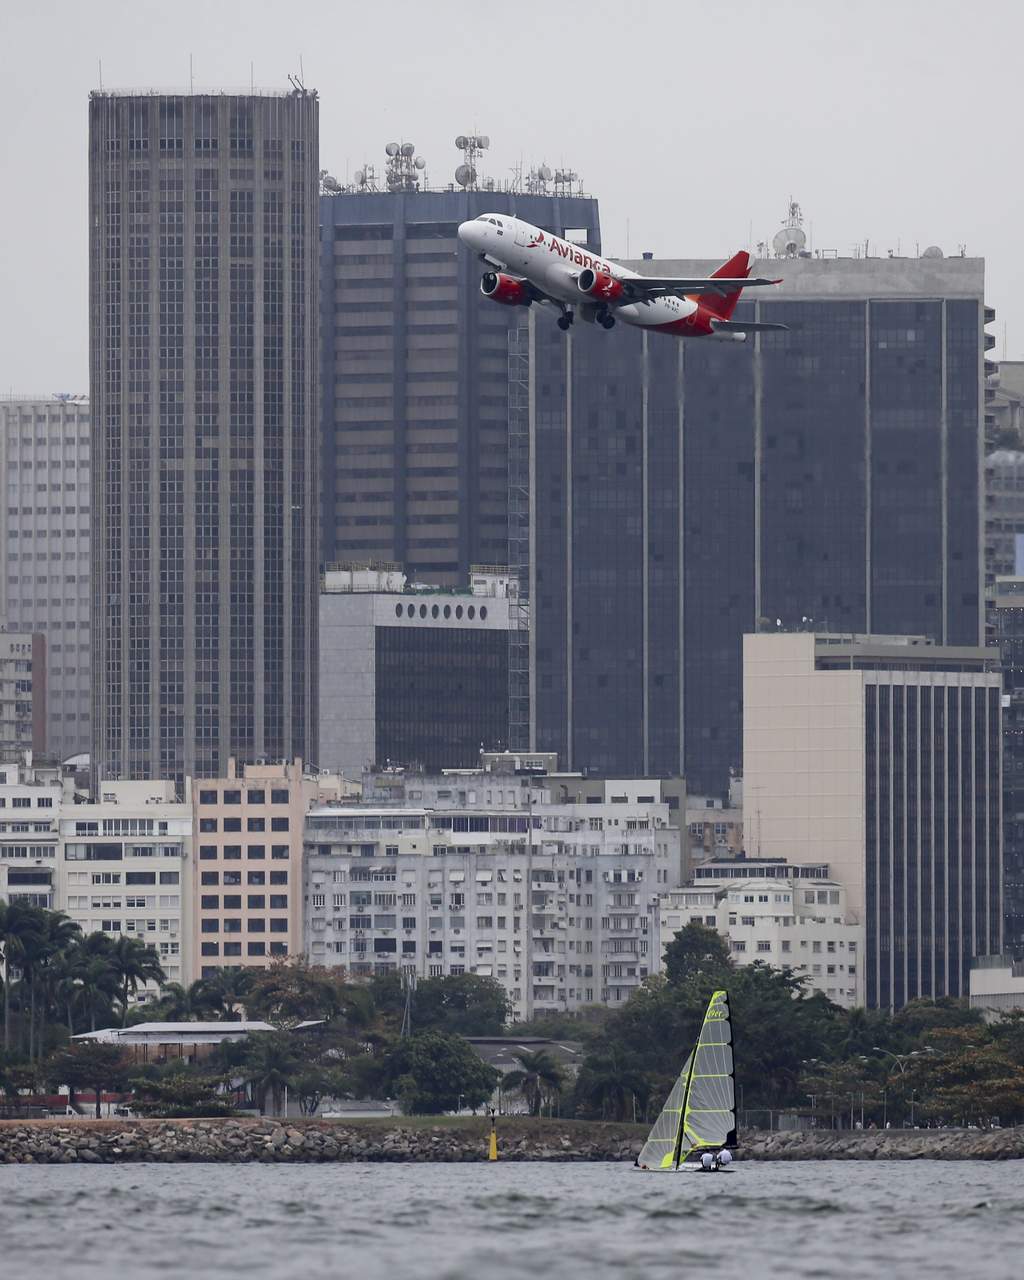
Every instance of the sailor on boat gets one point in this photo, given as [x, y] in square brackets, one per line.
[697, 1124]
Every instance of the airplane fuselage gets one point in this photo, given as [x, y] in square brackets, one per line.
[555, 265]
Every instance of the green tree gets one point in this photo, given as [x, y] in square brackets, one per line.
[291, 990]
[270, 1066]
[55, 932]
[697, 952]
[317, 1081]
[18, 925]
[91, 979]
[431, 1071]
[612, 1084]
[229, 988]
[193, 1003]
[461, 1004]
[89, 1065]
[538, 1078]
[181, 1094]
[134, 963]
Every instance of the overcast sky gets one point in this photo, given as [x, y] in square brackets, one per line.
[895, 122]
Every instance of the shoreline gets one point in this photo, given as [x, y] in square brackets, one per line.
[448, 1140]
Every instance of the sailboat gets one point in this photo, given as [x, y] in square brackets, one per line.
[698, 1119]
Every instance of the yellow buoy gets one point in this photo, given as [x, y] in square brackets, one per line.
[493, 1152]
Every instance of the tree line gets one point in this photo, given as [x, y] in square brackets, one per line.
[931, 1062]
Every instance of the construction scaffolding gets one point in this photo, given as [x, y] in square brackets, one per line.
[519, 535]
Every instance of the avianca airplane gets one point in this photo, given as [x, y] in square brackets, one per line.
[532, 265]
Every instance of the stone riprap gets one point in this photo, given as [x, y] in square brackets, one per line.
[318, 1141]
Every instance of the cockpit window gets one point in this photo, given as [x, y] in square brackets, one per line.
[483, 218]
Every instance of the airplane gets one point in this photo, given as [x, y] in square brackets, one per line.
[532, 265]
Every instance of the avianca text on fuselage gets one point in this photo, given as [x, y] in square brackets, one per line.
[533, 265]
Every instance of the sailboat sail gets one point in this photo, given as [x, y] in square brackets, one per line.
[700, 1112]
[659, 1151]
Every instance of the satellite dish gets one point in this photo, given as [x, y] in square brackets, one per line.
[360, 175]
[933, 251]
[544, 173]
[465, 174]
[408, 149]
[789, 241]
[462, 142]
[392, 149]
[483, 142]
[420, 163]
[331, 183]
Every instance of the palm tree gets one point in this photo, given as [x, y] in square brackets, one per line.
[188, 1004]
[228, 989]
[269, 1067]
[91, 980]
[53, 933]
[17, 924]
[133, 962]
[540, 1078]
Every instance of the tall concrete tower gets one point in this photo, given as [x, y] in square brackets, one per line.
[203, 366]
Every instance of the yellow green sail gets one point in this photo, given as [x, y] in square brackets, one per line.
[700, 1111]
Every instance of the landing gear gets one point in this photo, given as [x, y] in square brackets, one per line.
[606, 322]
[565, 321]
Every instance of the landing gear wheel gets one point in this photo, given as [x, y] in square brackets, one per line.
[607, 322]
[564, 322]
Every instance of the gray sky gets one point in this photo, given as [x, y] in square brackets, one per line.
[893, 122]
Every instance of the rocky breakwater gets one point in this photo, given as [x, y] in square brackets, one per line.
[305, 1141]
[886, 1144]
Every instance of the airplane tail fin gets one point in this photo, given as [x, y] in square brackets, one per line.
[723, 307]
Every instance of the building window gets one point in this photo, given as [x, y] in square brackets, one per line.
[207, 797]
[279, 795]
[256, 851]
[232, 797]
[256, 797]
[279, 824]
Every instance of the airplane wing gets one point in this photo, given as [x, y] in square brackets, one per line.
[661, 286]
[748, 326]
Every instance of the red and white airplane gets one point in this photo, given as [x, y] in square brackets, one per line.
[531, 265]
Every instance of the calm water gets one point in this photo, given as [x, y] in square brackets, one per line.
[385, 1222]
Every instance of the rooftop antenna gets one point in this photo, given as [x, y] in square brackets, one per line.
[471, 145]
[101, 75]
[252, 78]
[191, 77]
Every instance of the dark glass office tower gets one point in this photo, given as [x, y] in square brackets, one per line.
[203, 305]
[684, 493]
[415, 386]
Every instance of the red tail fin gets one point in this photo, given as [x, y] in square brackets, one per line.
[722, 308]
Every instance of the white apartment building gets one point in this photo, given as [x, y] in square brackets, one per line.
[125, 869]
[780, 915]
[45, 553]
[557, 903]
[30, 800]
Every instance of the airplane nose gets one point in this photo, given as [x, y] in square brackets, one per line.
[467, 233]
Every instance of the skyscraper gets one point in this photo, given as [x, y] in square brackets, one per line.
[683, 493]
[884, 752]
[415, 378]
[203, 304]
[44, 545]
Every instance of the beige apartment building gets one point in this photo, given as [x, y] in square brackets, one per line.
[247, 892]
[882, 755]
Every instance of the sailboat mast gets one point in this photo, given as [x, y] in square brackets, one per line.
[682, 1110]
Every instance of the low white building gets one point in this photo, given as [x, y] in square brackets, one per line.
[779, 914]
[997, 985]
[557, 902]
[125, 870]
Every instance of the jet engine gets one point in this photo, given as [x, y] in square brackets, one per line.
[599, 285]
[505, 289]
